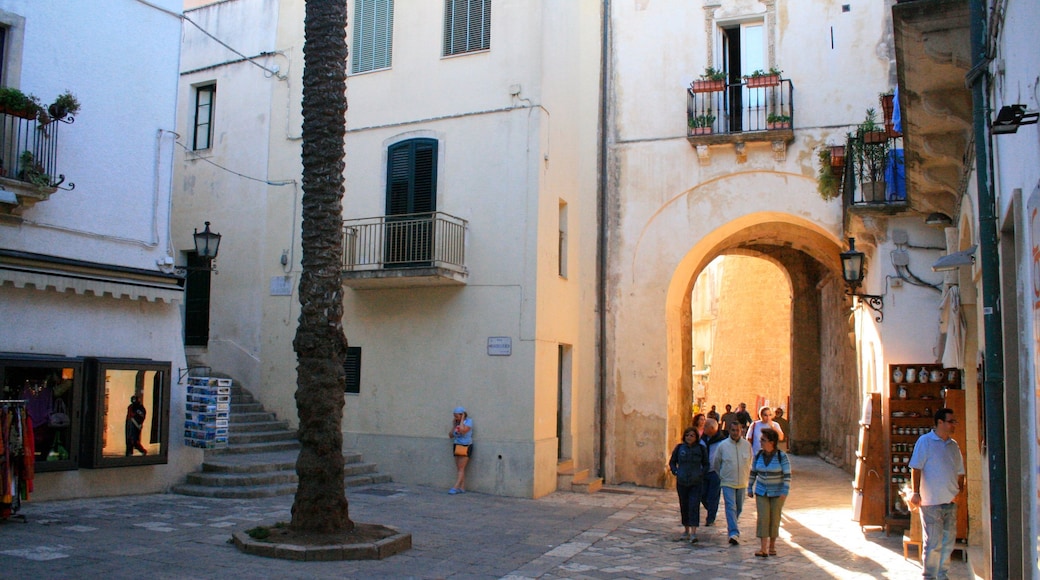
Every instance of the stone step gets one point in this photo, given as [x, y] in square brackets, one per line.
[260, 459]
[236, 438]
[587, 484]
[259, 426]
[254, 491]
[252, 417]
[246, 408]
[256, 447]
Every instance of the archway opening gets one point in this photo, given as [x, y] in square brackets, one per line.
[741, 321]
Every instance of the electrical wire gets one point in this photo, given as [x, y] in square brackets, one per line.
[233, 172]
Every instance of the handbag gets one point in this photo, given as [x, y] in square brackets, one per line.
[59, 418]
[461, 450]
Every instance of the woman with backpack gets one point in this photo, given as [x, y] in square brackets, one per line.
[689, 463]
[769, 484]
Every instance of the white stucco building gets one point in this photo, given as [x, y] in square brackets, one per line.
[91, 309]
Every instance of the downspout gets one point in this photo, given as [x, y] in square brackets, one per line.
[993, 381]
[601, 236]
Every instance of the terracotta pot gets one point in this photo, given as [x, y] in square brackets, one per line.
[763, 81]
[707, 86]
[700, 131]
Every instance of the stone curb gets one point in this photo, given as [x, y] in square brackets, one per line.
[395, 544]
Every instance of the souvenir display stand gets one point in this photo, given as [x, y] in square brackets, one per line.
[16, 466]
[915, 392]
[207, 412]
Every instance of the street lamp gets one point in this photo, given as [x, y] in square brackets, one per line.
[207, 243]
[852, 272]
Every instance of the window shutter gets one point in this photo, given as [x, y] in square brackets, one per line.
[467, 26]
[373, 35]
[352, 370]
[411, 181]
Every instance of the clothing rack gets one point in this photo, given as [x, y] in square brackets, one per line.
[13, 473]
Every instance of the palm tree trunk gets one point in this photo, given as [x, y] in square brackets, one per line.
[321, 504]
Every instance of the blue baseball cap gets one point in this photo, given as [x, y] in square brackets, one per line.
[459, 410]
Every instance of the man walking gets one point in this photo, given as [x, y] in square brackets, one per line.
[937, 476]
[732, 462]
[711, 439]
[743, 416]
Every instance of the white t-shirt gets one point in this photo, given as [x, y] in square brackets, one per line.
[753, 435]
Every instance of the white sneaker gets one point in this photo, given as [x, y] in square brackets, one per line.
[734, 540]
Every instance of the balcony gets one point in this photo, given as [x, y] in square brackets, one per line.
[28, 162]
[403, 251]
[874, 176]
[757, 110]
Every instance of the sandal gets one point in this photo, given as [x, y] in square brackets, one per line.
[762, 554]
[772, 552]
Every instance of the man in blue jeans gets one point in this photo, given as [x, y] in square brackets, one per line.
[732, 461]
[937, 476]
[711, 439]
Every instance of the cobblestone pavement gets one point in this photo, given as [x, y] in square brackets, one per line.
[627, 533]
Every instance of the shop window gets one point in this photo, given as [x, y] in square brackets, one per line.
[50, 390]
[126, 413]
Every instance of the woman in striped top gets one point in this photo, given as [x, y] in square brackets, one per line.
[769, 484]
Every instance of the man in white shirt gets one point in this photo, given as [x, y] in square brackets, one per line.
[937, 476]
[732, 461]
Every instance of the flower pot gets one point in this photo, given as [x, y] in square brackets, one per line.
[873, 191]
[763, 81]
[707, 86]
[875, 137]
[888, 107]
[837, 155]
[700, 130]
[778, 125]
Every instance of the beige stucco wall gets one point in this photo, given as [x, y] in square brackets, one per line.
[506, 161]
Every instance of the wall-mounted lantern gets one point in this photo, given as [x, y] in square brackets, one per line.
[852, 272]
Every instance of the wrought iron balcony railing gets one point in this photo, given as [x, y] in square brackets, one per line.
[763, 104]
[29, 150]
[422, 240]
[874, 172]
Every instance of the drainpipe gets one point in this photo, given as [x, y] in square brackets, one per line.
[993, 382]
[601, 237]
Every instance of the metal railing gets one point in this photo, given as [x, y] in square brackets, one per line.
[29, 150]
[740, 108]
[874, 172]
[420, 240]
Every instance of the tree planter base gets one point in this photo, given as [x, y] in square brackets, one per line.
[376, 542]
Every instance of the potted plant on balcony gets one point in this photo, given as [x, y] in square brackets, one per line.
[19, 104]
[870, 148]
[712, 81]
[775, 121]
[65, 104]
[30, 170]
[702, 124]
[828, 183]
[761, 78]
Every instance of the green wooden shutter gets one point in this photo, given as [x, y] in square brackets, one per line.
[352, 370]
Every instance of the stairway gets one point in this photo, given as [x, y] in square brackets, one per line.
[260, 459]
[570, 478]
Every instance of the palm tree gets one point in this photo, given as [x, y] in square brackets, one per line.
[321, 503]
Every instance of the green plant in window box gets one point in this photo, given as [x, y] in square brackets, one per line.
[775, 121]
[15, 102]
[762, 78]
[701, 124]
[712, 81]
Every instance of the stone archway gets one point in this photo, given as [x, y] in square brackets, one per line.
[808, 257]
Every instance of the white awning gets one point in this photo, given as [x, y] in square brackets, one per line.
[56, 275]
